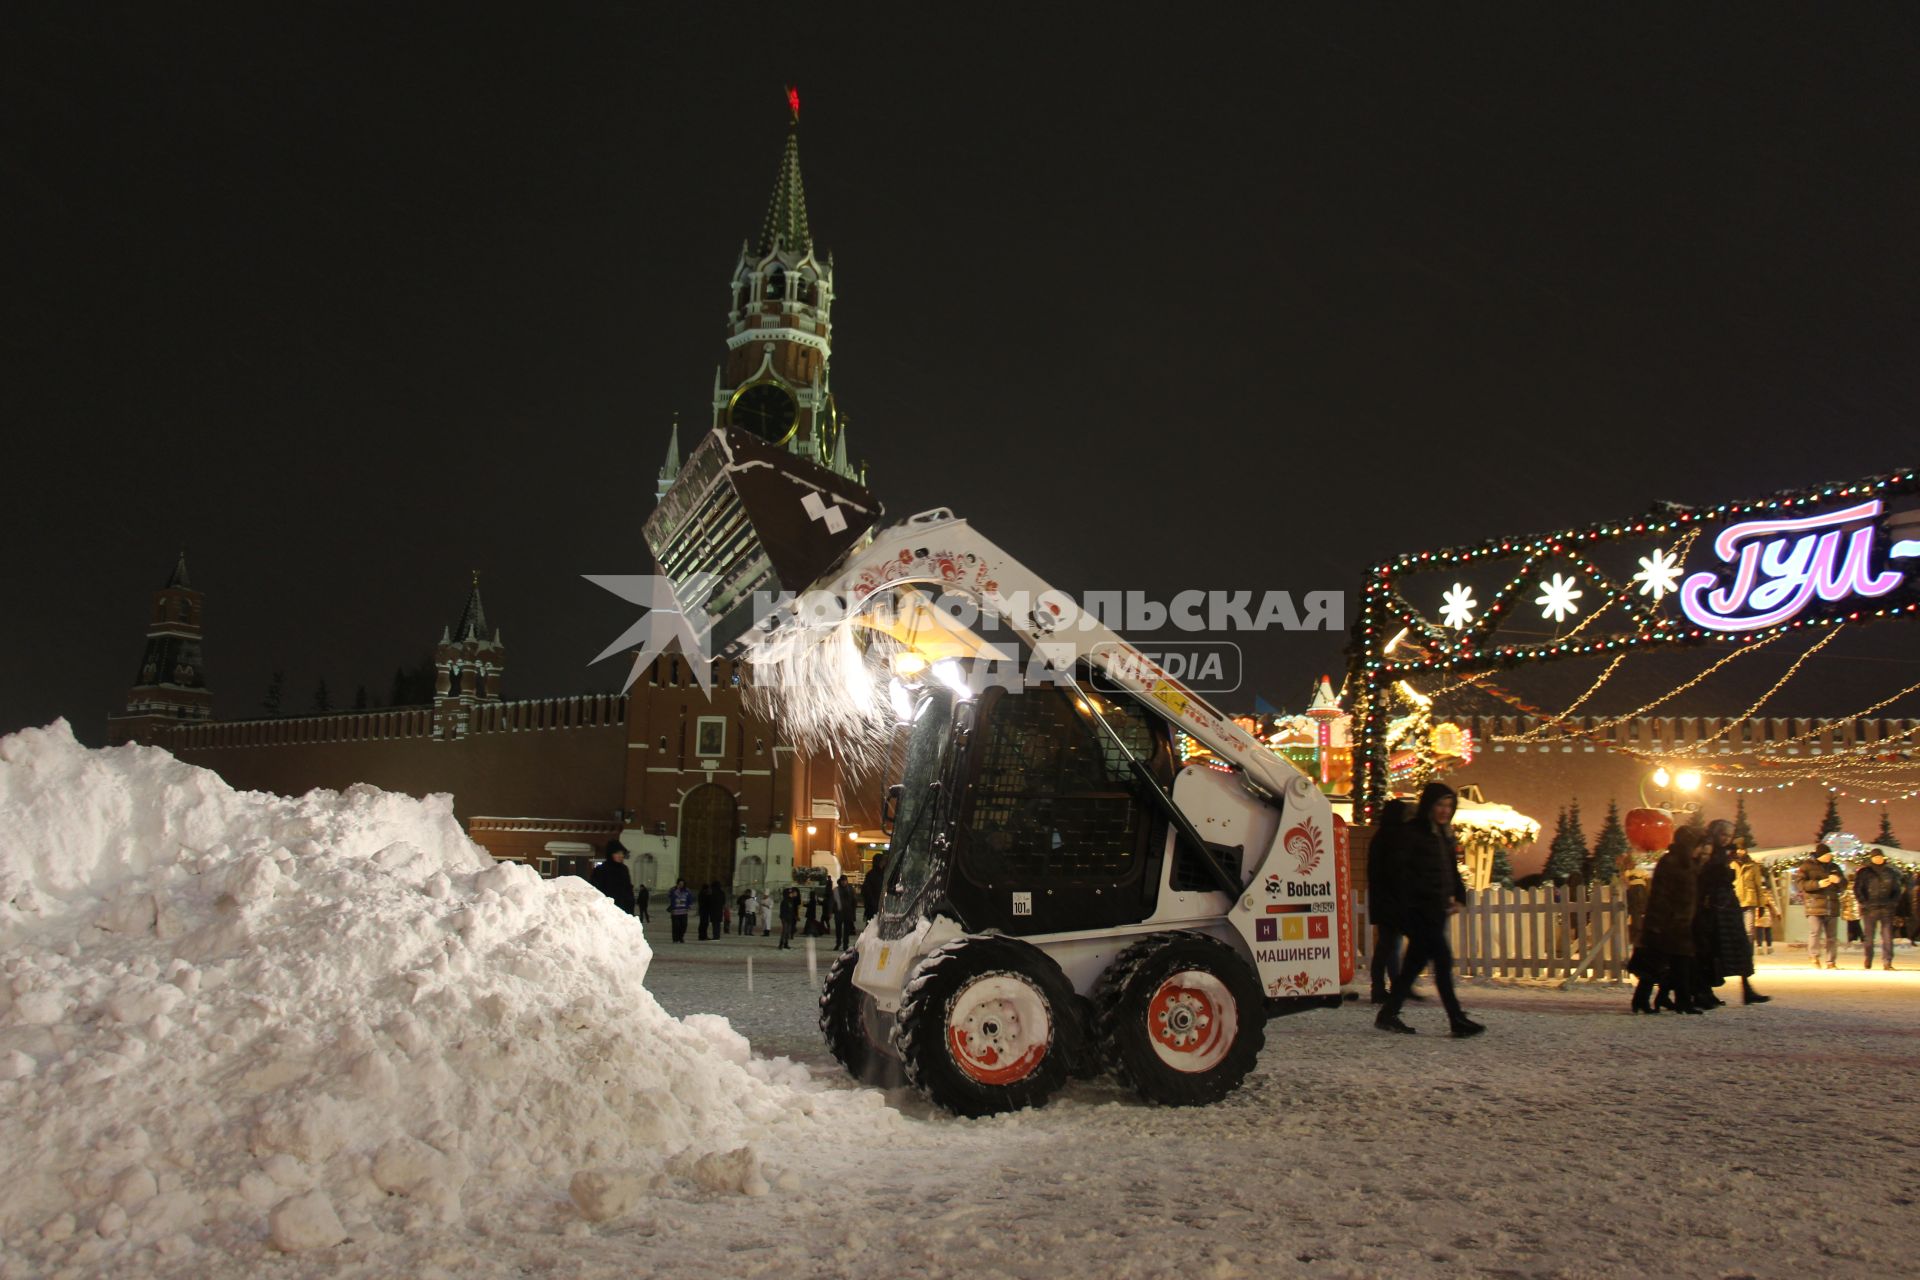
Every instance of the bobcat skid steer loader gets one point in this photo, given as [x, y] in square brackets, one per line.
[1062, 894]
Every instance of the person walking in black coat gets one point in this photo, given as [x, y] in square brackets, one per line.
[842, 914]
[1731, 955]
[1430, 890]
[1385, 868]
[1663, 958]
[641, 894]
[612, 879]
[789, 915]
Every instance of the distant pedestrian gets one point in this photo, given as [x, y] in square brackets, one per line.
[842, 914]
[679, 905]
[1763, 931]
[767, 906]
[710, 900]
[1820, 883]
[1430, 891]
[874, 887]
[1878, 889]
[813, 912]
[641, 894]
[1663, 960]
[1638, 881]
[1750, 886]
[749, 912]
[612, 878]
[789, 915]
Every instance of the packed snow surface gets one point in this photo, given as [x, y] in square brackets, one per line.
[233, 1024]
[243, 1036]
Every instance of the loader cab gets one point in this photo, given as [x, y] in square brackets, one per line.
[1022, 810]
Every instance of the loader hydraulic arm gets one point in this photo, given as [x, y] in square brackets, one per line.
[936, 549]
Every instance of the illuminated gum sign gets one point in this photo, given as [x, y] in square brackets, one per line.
[1780, 566]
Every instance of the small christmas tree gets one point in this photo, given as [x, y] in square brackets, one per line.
[322, 700]
[1609, 849]
[276, 695]
[1886, 836]
[1742, 830]
[1567, 855]
[1696, 820]
[1577, 835]
[1830, 823]
[1502, 869]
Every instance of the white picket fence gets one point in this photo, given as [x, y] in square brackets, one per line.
[1535, 933]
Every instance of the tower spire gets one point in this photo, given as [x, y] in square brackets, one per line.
[671, 470]
[785, 230]
[473, 619]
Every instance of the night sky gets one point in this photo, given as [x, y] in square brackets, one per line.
[350, 301]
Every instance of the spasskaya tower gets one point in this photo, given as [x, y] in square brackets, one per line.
[776, 380]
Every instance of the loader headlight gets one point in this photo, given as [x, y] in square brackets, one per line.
[951, 674]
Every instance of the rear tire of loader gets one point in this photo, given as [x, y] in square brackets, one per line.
[851, 1023]
[1182, 1020]
[987, 1025]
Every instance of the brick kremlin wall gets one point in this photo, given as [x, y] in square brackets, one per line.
[542, 757]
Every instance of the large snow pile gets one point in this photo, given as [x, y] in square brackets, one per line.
[237, 1021]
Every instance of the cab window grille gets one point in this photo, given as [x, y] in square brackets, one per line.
[1054, 798]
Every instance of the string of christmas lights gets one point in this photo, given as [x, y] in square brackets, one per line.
[1386, 612]
[1553, 720]
[1575, 705]
[1810, 734]
[1764, 698]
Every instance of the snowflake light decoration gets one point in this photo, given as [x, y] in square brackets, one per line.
[1457, 612]
[1659, 574]
[1557, 596]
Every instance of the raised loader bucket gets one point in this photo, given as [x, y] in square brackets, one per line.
[747, 517]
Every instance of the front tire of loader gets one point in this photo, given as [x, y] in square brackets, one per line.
[850, 1022]
[987, 1025]
[1181, 1019]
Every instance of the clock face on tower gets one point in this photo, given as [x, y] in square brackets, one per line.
[766, 410]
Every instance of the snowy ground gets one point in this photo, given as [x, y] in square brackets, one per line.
[243, 1035]
[1572, 1140]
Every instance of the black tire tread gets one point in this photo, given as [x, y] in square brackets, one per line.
[842, 1025]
